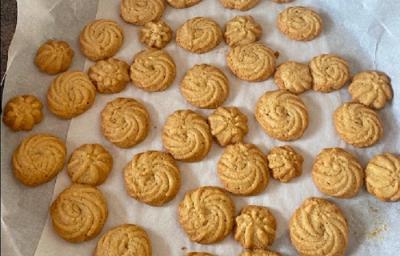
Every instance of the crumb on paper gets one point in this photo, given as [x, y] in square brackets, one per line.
[183, 248]
[377, 231]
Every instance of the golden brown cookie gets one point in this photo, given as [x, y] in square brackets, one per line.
[228, 125]
[371, 88]
[199, 254]
[125, 122]
[153, 70]
[358, 125]
[282, 115]
[139, 12]
[260, 253]
[337, 173]
[206, 215]
[38, 159]
[383, 177]
[285, 163]
[205, 86]
[199, 35]
[90, 164]
[243, 169]
[252, 62]
[180, 4]
[79, 212]
[241, 30]
[294, 77]
[300, 23]
[242, 5]
[186, 136]
[126, 239]
[54, 57]
[155, 34]
[318, 227]
[23, 112]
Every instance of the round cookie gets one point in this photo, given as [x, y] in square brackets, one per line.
[241, 30]
[383, 177]
[38, 159]
[186, 136]
[253, 62]
[23, 112]
[294, 77]
[101, 39]
[206, 214]
[205, 86]
[255, 227]
[300, 23]
[318, 227]
[126, 239]
[337, 173]
[358, 125]
[180, 4]
[282, 115]
[242, 5]
[285, 163]
[371, 88]
[260, 253]
[54, 57]
[199, 254]
[153, 70]
[228, 125]
[89, 164]
[199, 35]
[243, 169]
[139, 12]
[155, 34]
[79, 212]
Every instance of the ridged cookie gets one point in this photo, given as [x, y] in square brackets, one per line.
[294, 77]
[242, 5]
[139, 12]
[155, 34]
[22, 113]
[285, 163]
[180, 4]
[54, 57]
[241, 30]
[260, 253]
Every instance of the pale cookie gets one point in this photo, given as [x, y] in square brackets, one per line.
[23, 112]
[70, 94]
[205, 86]
[371, 88]
[300, 23]
[125, 122]
[243, 169]
[383, 177]
[90, 164]
[199, 254]
[199, 35]
[358, 125]
[242, 5]
[186, 136]
[126, 239]
[139, 12]
[206, 214]
[54, 57]
[294, 77]
[260, 253]
[180, 4]
[252, 62]
[38, 159]
[101, 39]
[282, 115]
[228, 125]
[79, 212]
[242, 30]
[285, 163]
[255, 227]
[337, 173]
[318, 227]
[152, 177]
[155, 34]
[153, 70]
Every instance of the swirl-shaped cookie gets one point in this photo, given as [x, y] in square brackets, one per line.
[54, 57]
[300, 23]
[205, 86]
[139, 12]
[252, 62]
[70, 94]
[242, 30]
[383, 177]
[127, 239]
[206, 214]
[260, 253]
[153, 70]
[337, 173]
[285, 163]
[371, 88]
[242, 5]
[180, 4]
[318, 227]
[282, 115]
[243, 169]
[38, 159]
[155, 34]
[199, 35]
[294, 77]
[101, 39]
[79, 212]
[186, 136]
[23, 112]
[358, 125]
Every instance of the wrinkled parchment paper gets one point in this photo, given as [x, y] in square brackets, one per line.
[367, 33]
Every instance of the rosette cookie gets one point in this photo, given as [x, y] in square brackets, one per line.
[54, 57]
[155, 34]
[294, 77]
[79, 212]
[242, 5]
[206, 214]
[139, 12]
[242, 30]
[260, 253]
[285, 163]
[180, 4]
[23, 112]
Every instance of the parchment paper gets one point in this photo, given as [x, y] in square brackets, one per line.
[367, 33]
